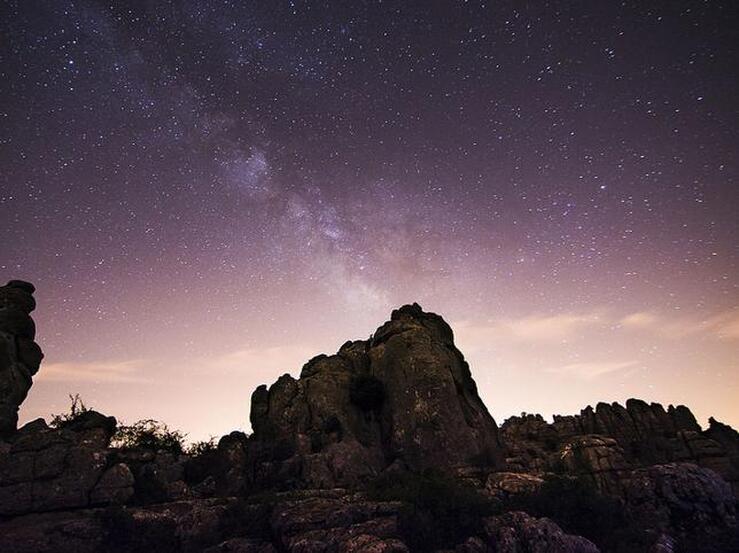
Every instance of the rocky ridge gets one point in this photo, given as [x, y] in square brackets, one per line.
[610, 441]
[383, 447]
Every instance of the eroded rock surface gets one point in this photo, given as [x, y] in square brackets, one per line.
[607, 443]
[405, 396]
[517, 531]
[20, 356]
[48, 469]
[680, 497]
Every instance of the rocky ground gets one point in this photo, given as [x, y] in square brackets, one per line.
[384, 446]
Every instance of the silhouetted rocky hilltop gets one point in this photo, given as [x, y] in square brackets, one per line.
[383, 447]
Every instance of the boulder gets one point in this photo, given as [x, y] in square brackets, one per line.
[680, 498]
[517, 531]
[47, 469]
[503, 485]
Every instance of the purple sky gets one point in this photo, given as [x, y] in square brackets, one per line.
[207, 194]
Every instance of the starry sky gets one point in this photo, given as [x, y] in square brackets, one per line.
[207, 194]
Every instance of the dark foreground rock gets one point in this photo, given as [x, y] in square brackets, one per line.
[332, 521]
[517, 531]
[45, 469]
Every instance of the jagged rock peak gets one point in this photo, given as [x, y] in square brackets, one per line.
[20, 356]
[412, 316]
[405, 397]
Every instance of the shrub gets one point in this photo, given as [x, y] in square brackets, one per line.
[204, 447]
[76, 409]
[367, 392]
[438, 511]
[149, 434]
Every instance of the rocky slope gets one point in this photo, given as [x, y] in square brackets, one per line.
[383, 447]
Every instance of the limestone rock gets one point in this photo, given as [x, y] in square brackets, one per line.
[20, 356]
[517, 531]
[728, 438]
[341, 523]
[610, 440]
[48, 469]
[680, 497]
[115, 486]
[406, 395]
[159, 476]
[503, 485]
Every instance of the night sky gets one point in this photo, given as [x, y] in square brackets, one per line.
[207, 194]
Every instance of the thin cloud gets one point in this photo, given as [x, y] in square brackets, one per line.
[592, 370]
[724, 326]
[105, 371]
[640, 319]
[536, 328]
[270, 359]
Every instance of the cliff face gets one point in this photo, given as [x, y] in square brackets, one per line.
[404, 398]
[20, 356]
[384, 446]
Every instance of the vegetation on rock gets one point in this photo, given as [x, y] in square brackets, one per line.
[77, 408]
[149, 434]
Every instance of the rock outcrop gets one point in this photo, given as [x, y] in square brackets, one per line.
[608, 442]
[680, 497]
[20, 356]
[47, 469]
[404, 397]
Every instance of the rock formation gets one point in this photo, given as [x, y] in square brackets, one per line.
[46, 469]
[404, 397]
[20, 356]
[383, 447]
[609, 441]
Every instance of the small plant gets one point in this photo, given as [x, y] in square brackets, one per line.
[204, 447]
[76, 409]
[149, 434]
[367, 392]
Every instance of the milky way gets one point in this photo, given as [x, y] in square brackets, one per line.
[206, 194]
